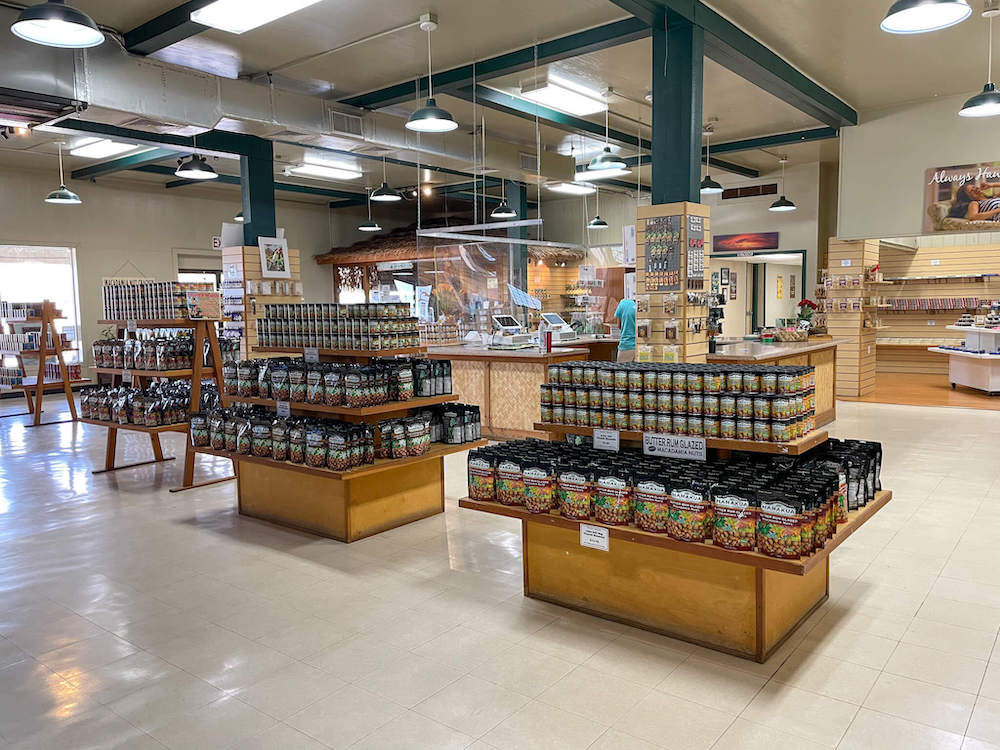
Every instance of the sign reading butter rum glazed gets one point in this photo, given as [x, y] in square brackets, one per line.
[964, 198]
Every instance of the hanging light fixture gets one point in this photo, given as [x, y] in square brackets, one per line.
[62, 195]
[430, 118]
[239, 218]
[503, 211]
[597, 222]
[782, 204]
[708, 185]
[196, 168]
[986, 103]
[370, 226]
[384, 193]
[606, 160]
[56, 24]
[919, 16]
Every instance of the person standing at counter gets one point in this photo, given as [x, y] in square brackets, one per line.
[625, 313]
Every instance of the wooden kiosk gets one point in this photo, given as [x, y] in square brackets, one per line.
[742, 603]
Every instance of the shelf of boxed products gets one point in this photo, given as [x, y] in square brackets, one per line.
[855, 519]
[960, 352]
[350, 353]
[436, 450]
[348, 411]
[144, 373]
[178, 427]
[788, 448]
[151, 323]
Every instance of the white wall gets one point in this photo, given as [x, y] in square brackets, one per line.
[787, 306]
[883, 160]
[132, 228]
[565, 219]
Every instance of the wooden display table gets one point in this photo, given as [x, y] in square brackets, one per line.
[742, 603]
[154, 441]
[503, 383]
[819, 354]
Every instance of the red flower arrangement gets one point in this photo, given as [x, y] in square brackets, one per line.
[806, 309]
[808, 303]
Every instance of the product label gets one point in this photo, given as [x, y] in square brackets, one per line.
[310, 354]
[283, 409]
[606, 440]
[673, 446]
[845, 263]
[595, 537]
[130, 326]
[126, 377]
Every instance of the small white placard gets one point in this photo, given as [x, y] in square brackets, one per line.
[126, 377]
[217, 242]
[283, 409]
[595, 537]
[606, 440]
[311, 354]
[744, 253]
[845, 263]
[130, 326]
[935, 261]
[673, 446]
[932, 322]
[628, 244]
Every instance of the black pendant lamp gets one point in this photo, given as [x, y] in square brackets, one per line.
[195, 168]
[708, 185]
[597, 222]
[56, 24]
[503, 211]
[384, 193]
[62, 195]
[430, 118]
[782, 204]
[920, 16]
[606, 161]
[370, 226]
[987, 102]
[239, 218]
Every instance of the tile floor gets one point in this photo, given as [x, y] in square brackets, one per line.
[134, 618]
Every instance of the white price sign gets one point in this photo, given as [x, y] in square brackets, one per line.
[311, 354]
[283, 408]
[606, 440]
[845, 263]
[126, 377]
[935, 261]
[130, 326]
[595, 537]
[673, 446]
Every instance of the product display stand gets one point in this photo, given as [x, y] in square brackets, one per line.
[202, 331]
[978, 367]
[39, 384]
[856, 354]
[344, 505]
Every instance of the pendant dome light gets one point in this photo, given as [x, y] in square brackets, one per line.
[239, 218]
[55, 24]
[708, 185]
[606, 160]
[503, 211]
[384, 193]
[430, 118]
[986, 103]
[597, 222]
[196, 168]
[920, 16]
[370, 226]
[63, 195]
[782, 204]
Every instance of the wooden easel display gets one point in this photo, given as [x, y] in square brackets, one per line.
[39, 384]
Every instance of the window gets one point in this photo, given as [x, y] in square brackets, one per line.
[33, 274]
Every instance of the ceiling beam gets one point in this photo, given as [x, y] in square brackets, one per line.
[734, 49]
[775, 141]
[543, 53]
[131, 161]
[167, 28]
[227, 179]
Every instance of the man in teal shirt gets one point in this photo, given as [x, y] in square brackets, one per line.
[626, 318]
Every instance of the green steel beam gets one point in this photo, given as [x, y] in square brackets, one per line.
[726, 166]
[284, 187]
[573, 45]
[257, 190]
[167, 28]
[132, 161]
[775, 141]
[373, 157]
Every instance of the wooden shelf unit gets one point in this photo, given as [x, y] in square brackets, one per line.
[144, 373]
[380, 410]
[356, 354]
[856, 355]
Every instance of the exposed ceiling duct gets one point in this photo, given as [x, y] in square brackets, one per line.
[147, 94]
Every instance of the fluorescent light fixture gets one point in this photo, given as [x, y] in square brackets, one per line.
[56, 24]
[325, 171]
[601, 174]
[101, 148]
[572, 188]
[920, 16]
[11, 123]
[564, 96]
[239, 16]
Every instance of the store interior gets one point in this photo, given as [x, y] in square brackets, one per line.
[389, 376]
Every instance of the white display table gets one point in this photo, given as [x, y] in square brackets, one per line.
[972, 368]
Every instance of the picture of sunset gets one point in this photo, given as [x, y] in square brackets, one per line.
[730, 243]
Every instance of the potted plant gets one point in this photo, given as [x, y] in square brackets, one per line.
[806, 309]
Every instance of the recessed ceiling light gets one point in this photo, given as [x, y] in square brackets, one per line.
[56, 24]
[571, 188]
[564, 96]
[101, 148]
[239, 16]
[325, 171]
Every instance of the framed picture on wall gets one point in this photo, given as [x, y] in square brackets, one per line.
[732, 285]
[791, 286]
[274, 263]
[724, 276]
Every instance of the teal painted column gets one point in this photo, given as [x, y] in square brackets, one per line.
[257, 187]
[517, 198]
[678, 62]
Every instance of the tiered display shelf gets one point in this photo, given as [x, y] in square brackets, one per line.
[974, 369]
[345, 412]
[353, 354]
[34, 388]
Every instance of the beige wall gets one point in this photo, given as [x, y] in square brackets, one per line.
[132, 228]
[736, 323]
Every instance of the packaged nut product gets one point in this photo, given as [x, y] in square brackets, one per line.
[244, 436]
[229, 426]
[246, 379]
[779, 527]
[314, 384]
[296, 384]
[481, 476]
[735, 519]
[296, 442]
[539, 486]
[613, 502]
[652, 504]
[510, 482]
[315, 446]
[217, 430]
[199, 431]
[333, 386]
[279, 440]
[575, 494]
[689, 513]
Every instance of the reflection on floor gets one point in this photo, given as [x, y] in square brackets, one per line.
[925, 390]
[133, 618]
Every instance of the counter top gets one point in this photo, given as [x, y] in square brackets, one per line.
[752, 351]
[591, 339]
[532, 355]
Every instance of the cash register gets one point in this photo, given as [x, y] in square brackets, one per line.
[507, 334]
[561, 330]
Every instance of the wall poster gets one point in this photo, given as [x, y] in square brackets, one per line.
[728, 243]
[965, 198]
[732, 285]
